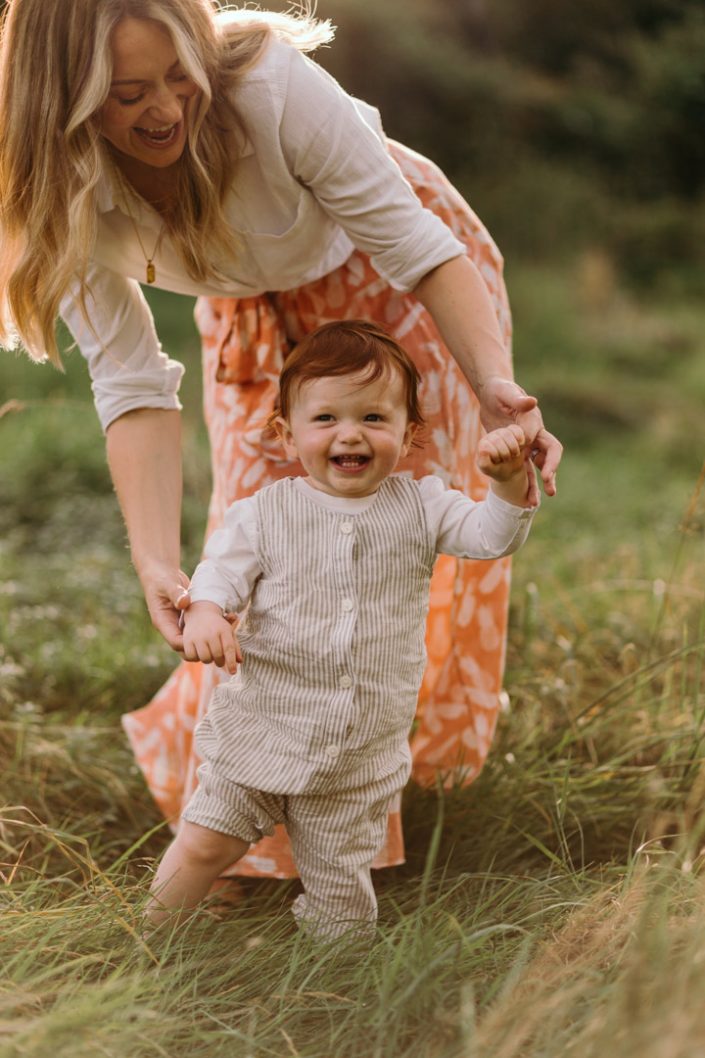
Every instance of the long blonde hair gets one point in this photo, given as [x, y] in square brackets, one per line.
[55, 73]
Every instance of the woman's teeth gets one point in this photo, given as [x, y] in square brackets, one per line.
[159, 137]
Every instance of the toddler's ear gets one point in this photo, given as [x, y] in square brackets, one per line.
[284, 431]
[409, 433]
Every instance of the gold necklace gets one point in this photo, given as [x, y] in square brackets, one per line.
[151, 272]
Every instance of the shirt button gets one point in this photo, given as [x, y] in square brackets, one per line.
[333, 751]
[346, 527]
[345, 681]
[347, 605]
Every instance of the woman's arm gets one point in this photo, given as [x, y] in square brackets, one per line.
[144, 454]
[456, 297]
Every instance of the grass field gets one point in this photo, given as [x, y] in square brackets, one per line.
[556, 907]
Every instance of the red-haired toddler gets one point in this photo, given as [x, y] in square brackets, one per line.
[312, 729]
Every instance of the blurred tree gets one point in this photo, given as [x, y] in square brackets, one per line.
[588, 115]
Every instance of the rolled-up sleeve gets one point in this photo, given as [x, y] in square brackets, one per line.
[335, 152]
[126, 363]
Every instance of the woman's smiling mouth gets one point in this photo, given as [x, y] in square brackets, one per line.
[160, 137]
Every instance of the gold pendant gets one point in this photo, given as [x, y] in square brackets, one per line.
[151, 272]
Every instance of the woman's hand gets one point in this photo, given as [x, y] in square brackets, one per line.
[456, 296]
[503, 402]
[166, 594]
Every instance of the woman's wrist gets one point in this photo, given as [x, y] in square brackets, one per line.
[457, 298]
[148, 565]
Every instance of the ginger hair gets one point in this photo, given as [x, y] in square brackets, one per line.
[347, 347]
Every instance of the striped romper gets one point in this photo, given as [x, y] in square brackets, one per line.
[313, 730]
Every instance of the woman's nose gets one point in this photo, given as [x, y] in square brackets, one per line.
[166, 105]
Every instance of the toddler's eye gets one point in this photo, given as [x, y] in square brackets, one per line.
[373, 417]
[323, 417]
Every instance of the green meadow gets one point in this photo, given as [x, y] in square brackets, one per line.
[554, 908]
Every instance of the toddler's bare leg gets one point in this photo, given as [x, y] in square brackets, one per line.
[190, 865]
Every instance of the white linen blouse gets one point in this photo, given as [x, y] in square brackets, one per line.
[313, 181]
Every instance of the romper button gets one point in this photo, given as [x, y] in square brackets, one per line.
[345, 681]
[346, 528]
[347, 605]
[333, 751]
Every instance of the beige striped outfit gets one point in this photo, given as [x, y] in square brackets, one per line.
[313, 730]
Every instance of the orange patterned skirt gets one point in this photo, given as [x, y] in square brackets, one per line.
[244, 343]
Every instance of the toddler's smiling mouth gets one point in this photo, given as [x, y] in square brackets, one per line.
[350, 462]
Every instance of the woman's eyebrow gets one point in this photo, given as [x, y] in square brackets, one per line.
[141, 80]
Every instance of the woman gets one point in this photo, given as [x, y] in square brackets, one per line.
[160, 141]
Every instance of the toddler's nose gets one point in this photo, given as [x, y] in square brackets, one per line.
[349, 433]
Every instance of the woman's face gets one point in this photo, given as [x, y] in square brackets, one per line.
[144, 116]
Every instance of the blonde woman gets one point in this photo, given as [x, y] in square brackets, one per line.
[169, 142]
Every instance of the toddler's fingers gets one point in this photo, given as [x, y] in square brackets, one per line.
[199, 652]
[500, 449]
[516, 433]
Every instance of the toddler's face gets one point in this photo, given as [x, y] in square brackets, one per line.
[348, 434]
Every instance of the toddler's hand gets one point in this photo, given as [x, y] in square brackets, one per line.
[210, 637]
[500, 453]
[503, 456]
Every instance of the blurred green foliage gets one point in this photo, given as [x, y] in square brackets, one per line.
[565, 125]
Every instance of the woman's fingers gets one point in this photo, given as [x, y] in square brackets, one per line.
[166, 595]
[505, 400]
[533, 494]
[165, 618]
[230, 651]
[522, 402]
[181, 599]
[547, 453]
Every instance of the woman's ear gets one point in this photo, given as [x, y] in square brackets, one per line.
[286, 437]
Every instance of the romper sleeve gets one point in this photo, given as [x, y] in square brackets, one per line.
[126, 363]
[465, 528]
[227, 574]
[332, 150]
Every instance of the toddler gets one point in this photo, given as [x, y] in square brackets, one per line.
[312, 730]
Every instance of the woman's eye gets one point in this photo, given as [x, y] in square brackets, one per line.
[179, 77]
[131, 102]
